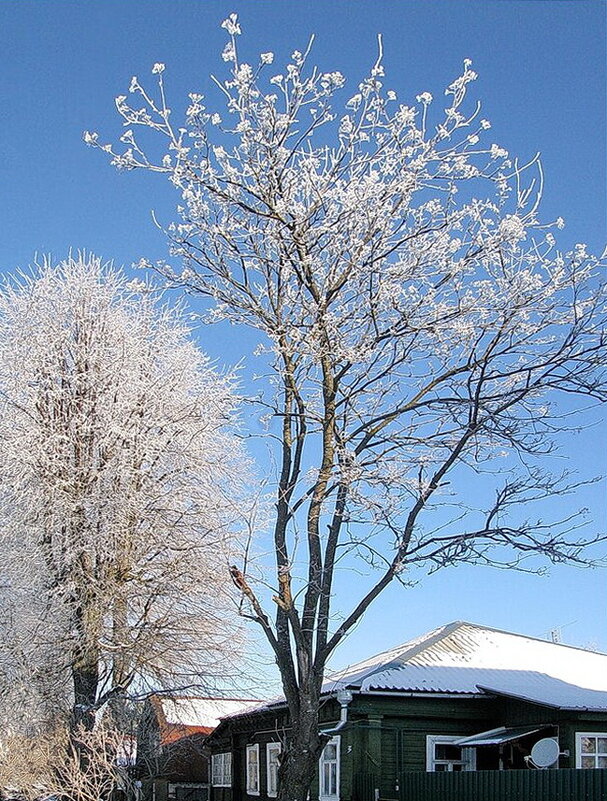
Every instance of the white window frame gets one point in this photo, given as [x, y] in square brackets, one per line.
[322, 795]
[578, 747]
[271, 787]
[251, 789]
[468, 754]
[221, 764]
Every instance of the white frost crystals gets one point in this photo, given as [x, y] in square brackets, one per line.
[394, 256]
[119, 487]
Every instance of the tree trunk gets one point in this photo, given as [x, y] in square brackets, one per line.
[299, 763]
[85, 668]
[121, 663]
[85, 678]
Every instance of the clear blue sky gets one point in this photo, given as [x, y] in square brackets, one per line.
[542, 70]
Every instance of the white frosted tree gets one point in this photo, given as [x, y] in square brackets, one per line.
[421, 325]
[119, 495]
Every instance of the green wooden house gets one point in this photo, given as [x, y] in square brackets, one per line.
[460, 699]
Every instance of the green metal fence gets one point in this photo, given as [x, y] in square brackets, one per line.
[364, 786]
[508, 785]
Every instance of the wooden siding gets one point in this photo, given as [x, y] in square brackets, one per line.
[389, 734]
[385, 738]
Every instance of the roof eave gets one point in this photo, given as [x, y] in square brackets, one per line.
[404, 692]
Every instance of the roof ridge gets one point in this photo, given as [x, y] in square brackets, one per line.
[420, 643]
[527, 637]
[434, 636]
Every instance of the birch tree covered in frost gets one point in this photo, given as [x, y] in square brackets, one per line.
[120, 487]
[421, 325]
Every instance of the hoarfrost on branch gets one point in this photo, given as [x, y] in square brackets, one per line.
[120, 495]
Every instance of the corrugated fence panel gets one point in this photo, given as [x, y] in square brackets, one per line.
[364, 786]
[510, 785]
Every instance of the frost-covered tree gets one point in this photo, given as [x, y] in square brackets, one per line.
[421, 324]
[119, 493]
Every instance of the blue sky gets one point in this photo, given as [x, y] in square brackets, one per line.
[542, 74]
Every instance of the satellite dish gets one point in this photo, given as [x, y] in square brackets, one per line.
[545, 752]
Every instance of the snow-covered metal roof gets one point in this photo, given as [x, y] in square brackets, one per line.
[187, 716]
[548, 691]
[467, 658]
[201, 712]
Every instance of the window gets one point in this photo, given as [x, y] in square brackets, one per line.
[221, 770]
[272, 762]
[329, 770]
[591, 749]
[253, 769]
[442, 755]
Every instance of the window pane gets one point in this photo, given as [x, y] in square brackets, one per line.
[325, 779]
[588, 745]
[447, 751]
[330, 751]
[329, 779]
[602, 762]
[227, 769]
[602, 748]
[273, 758]
[587, 761]
[252, 769]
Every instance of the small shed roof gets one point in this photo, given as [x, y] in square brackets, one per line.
[498, 736]
[205, 712]
[184, 716]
